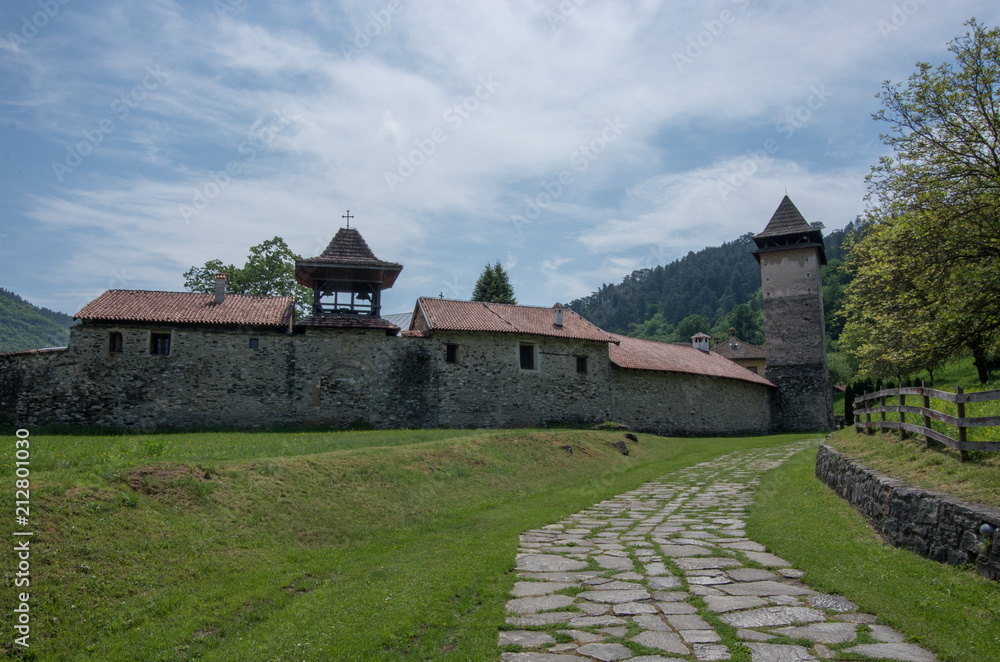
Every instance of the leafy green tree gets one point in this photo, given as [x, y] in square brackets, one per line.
[654, 328]
[692, 325]
[494, 286]
[927, 271]
[840, 368]
[268, 271]
[749, 324]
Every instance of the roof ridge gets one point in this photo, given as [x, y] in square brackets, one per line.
[486, 305]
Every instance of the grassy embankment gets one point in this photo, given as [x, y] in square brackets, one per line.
[953, 611]
[300, 546]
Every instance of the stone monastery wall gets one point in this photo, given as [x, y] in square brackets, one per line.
[338, 377]
[689, 404]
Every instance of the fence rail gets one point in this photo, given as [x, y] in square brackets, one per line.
[869, 404]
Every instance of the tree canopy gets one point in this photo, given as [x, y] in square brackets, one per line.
[926, 272]
[494, 285]
[269, 271]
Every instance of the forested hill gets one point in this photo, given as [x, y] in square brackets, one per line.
[705, 286]
[709, 283]
[24, 326]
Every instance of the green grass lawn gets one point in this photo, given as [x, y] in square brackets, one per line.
[301, 546]
[953, 611]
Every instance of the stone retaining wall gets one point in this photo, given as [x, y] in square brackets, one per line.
[934, 525]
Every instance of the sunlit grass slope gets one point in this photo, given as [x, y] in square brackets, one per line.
[313, 546]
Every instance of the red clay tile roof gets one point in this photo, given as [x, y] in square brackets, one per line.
[187, 308]
[451, 315]
[636, 354]
[348, 322]
[27, 352]
[744, 350]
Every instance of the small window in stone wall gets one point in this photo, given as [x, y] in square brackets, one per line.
[581, 364]
[527, 357]
[159, 343]
[115, 343]
[254, 343]
[451, 354]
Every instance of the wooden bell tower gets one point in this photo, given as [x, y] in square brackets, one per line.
[347, 279]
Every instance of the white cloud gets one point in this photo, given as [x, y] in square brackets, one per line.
[481, 105]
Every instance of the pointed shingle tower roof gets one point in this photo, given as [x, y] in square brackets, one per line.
[788, 229]
[349, 248]
[347, 258]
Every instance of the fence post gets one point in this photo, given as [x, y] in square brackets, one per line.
[927, 406]
[859, 423]
[882, 406]
[902, 416]
[963, 454]
[868, 405]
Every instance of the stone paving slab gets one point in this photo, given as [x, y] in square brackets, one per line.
[669, 554]
[903, 652]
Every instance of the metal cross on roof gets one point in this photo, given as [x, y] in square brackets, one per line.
[348, 217]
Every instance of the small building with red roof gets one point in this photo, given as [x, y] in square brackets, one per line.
[742, 353]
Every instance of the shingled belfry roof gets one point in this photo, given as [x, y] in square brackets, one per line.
[187, 308]
[788, 228]
[347, 257]
[349, 248]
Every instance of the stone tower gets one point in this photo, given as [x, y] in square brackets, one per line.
[790, 253]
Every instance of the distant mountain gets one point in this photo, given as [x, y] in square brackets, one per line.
[704, 288]
[709, 283]
[24, 326]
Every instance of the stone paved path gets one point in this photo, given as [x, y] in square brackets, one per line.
[635, 568]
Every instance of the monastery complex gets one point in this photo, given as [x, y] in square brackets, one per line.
[168, 360]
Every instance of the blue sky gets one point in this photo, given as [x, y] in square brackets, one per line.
[572, 140]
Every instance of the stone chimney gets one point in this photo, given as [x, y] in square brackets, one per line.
[220, 287]
[701, 341]
[557, 315]
[732, 339]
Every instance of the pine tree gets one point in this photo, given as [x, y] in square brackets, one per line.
[494, 286]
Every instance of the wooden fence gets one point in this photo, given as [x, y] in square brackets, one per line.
[869, 404]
